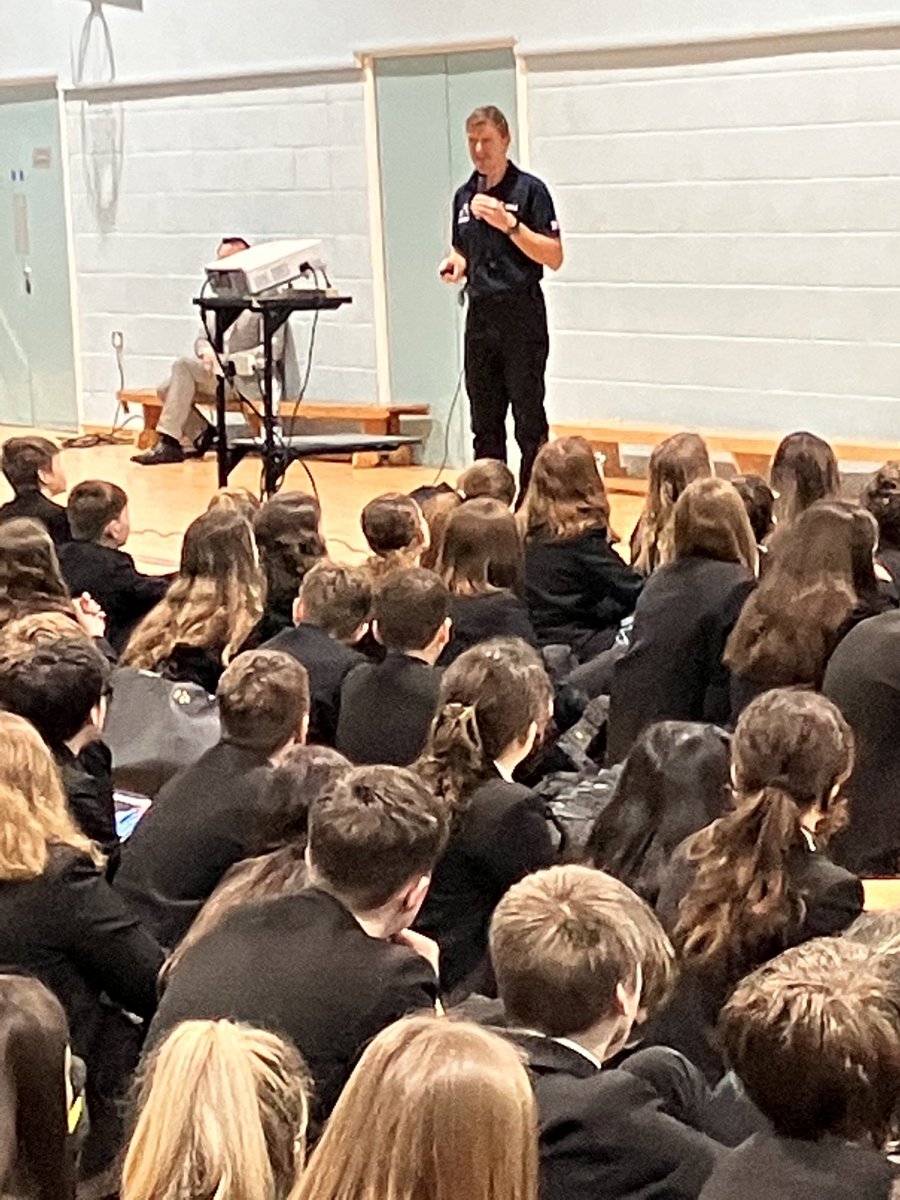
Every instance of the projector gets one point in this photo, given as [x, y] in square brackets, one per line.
[262, 268]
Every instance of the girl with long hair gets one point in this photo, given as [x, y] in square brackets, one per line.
[494, 704]
[222, 1111]
[756, 881]
[577, 587]
[289, 536]
[482, 565]
[673, 669]
[214, 602]
[803, 471]
[674, 463]
[31, 581]
[434, 1110]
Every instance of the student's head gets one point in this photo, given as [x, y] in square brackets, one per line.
[34, 815]
[373, 841]
[804, 470]
[674, 463]
[494, 703]
[674, 781]
[412, 612]
[396, 531]
[98, 511]
[814, 1036]
[881, 496]
[879, 932]
[487, 131]
[303, 774]
[216, 599]
[30, 580]
[32, 464]
[58, 687]
[436, 1110]
[235, 499]
[336, 599]
[759, 503]
[488, 477]
[482, 549]
[231, 245]
[290, 543]
[565, 496]
[568, 946]
[264, 701]
[710, 521]
[437, 504]
[222, 1111]
[39, 629]
[791, 753]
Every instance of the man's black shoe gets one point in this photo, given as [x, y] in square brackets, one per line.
[162, 452]
[205, 441]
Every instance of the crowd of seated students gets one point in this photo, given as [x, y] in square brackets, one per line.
[353, 947]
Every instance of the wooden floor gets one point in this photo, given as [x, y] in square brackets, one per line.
[164, 500]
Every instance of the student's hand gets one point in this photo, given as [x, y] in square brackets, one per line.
[491, 211]
[424, 946]
[89, 615]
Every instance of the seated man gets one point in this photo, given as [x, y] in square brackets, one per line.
[566, 946]
[33, 469]
[331, 966]
[213, 814]
[96, 563]
[387, 707]
[193, 379]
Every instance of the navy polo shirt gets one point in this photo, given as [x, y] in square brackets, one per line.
[494, 263]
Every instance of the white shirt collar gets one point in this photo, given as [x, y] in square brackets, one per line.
[810, 840]
[503, 772]
[592, 1058]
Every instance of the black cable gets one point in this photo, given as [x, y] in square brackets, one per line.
[447, 426]
[308, 370]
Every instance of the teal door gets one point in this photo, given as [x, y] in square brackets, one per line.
[37, 372]
[422, 103]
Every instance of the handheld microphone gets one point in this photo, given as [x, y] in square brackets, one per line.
[481, 183]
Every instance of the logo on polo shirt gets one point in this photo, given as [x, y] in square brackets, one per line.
[463, 217]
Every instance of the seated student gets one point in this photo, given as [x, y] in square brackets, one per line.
[759, 501]
[213, 814]
[387, 707]
[803, 471]
[881, 496]
[239, 500]
[494, 704]
[673, 669]
[33, 469]
[222, 1110]
[290, 544]
[331, 614]
[396, 532]
[331, 966]
[488, 477]
[481, 563]
[566, 949]
[814, 1037]
[60, 687]
[95, 562]
[435, 1109]
[755, 881]
[436, 503]
[61, 922]
[577, 587]
[212, 605]
[30, 581]
[674, 463]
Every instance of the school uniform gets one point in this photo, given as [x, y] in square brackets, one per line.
[38, 507]
[476, 619]
[328, 662]
[387, 709]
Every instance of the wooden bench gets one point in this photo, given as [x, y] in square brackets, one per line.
[371, 418]
[752, 452]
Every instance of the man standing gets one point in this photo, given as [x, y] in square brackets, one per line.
[505, 232]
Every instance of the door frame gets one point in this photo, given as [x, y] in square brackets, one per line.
[51, 83]
[367, 60]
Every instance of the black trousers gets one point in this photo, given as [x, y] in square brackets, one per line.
[506, 347]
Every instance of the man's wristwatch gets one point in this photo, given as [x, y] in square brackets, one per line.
[515, 225]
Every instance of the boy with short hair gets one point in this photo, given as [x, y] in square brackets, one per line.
[387, 707]
[94, 561]
[488, 477]
[33, 469]
[567, 946]
[814, 1036]
[331, 615]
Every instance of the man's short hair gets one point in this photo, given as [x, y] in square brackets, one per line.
[337, 599]
[488, 477]
[91, 506]
[410, 607]
[377, 829]
[54, 685]
[263, 699]
[488, 114]
[562, 940]
[814, 1036]
[23, 459]
[233, 240]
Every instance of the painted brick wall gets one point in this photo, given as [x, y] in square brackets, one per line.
[265, 163]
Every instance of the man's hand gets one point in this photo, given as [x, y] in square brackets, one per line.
[208, 359]
[487, 208]
[428, 949]
[453, 267]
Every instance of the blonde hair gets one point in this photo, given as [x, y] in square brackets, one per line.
[33, 811]
[235, 499]
[223, 1110]
[39, 629]
[436, 1109]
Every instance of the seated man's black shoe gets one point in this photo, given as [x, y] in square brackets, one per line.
[162, 452]
[204, 441]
